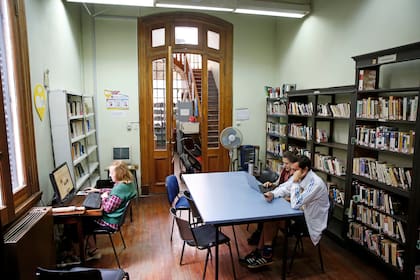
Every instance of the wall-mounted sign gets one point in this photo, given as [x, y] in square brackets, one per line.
[40, 100]
[115, 100]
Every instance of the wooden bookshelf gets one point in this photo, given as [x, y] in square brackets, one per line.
[385, 153]
[276, 128]
[326, 142]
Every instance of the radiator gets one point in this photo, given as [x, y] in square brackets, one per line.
[29, 243]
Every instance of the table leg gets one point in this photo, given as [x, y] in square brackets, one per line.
[81, 241]
[285, 244]
[217, 253]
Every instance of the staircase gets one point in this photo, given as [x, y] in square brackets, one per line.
[197, 78]
[213, 107]
[213, 102]
[213, 113]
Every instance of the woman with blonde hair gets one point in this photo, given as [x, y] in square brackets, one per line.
[114, 201]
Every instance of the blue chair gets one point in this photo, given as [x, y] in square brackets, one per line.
[177, 201]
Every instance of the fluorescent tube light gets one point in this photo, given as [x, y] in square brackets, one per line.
[270, 13]
[271, 8]
[193, 7]
[141, 3]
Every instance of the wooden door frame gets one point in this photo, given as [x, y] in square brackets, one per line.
[219, 157]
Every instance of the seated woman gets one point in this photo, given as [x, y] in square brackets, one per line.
[114, 201]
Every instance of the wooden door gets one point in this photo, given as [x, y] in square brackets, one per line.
[159, 64]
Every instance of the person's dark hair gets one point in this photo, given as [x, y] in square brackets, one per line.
[290, 156]
[304, 161]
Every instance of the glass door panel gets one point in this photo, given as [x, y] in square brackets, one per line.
[159, 103]
[213, 108]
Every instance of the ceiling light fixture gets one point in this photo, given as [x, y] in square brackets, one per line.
[192, 7]
[255, 7]
[269, 8]
[141, 3]
[269, 13]
[222, 6]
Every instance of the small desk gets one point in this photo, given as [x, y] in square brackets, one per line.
[75, 217]
[226, 198]
[133, 168]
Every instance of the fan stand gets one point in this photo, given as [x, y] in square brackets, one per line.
[230, 159]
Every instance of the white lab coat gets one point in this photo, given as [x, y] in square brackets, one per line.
[313, 199]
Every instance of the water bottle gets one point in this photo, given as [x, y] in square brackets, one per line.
[251, 168]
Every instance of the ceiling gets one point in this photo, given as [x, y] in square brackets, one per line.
[121, 10]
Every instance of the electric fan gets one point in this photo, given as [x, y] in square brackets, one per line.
[231, 138]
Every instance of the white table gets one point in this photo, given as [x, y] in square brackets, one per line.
[229, 198]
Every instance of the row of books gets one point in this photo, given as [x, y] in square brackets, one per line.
[77, 150]
[388, 108]
[387, 173]
[275, 164]
[274, 92]
[388, 250]
[88, 126]
[277, 108]
[300, 131]
[80, 170]
[299, 150]
[336, 193]
[297, 108]
[277, 128]
[74, 108]
[378, 199]
[340, 110]
[367, 79]
[76, 128]
[321, 135]
[275, 147]
[379, 221]
[385, 138]
[329, 164]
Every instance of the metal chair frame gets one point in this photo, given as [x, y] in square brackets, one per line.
[203, 237]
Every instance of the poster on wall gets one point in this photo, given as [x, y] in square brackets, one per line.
[115, 100]
[40, 100]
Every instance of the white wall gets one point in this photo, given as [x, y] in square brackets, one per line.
[54, 44]
[313, 52]
[317, 53]
[253, 68]
[116, 45]
[116, 69]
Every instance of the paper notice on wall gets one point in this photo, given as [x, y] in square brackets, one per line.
[115, 100]
[242, 114]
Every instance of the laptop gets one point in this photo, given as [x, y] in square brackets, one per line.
[257, 185]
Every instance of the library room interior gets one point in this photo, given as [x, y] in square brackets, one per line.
[184, 139]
